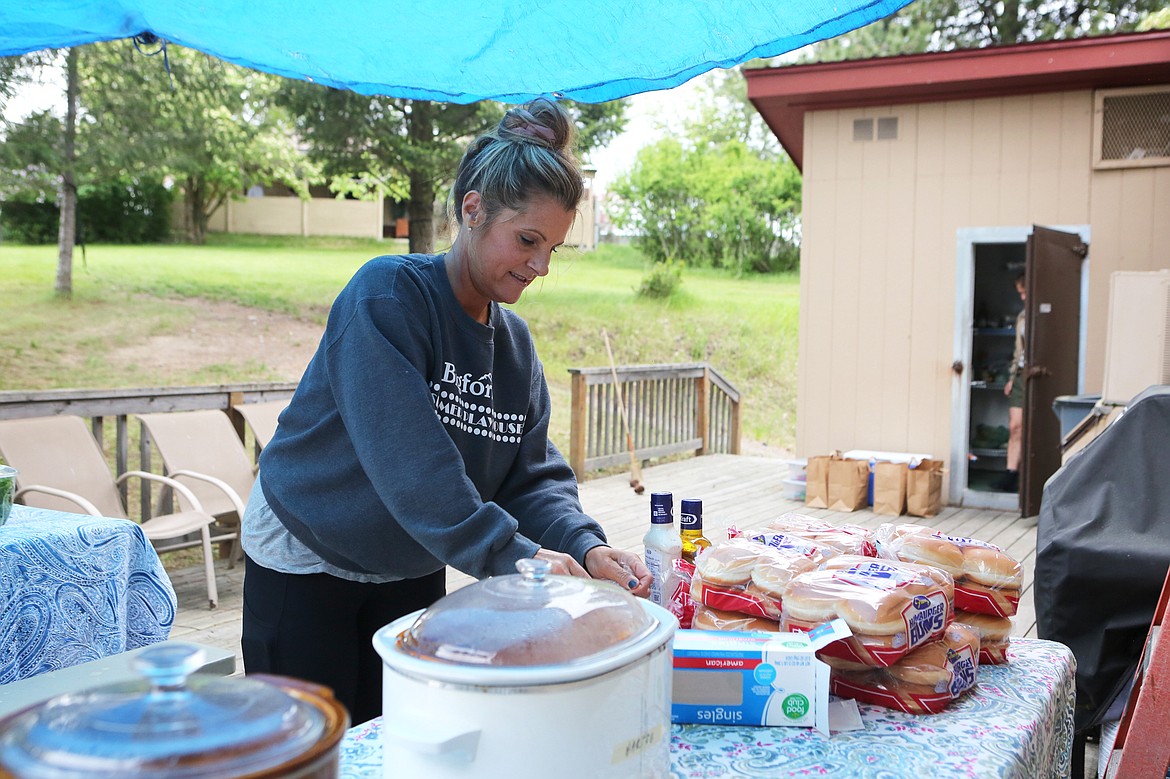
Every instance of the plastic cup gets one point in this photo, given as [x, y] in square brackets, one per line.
[7, 488]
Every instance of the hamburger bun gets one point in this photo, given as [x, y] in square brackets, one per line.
[988, 627]
[728, 564]
[994, 635]
[772, 572]
[847, 666]
[810, 599]
[875, 613]
[930, 550]
[707, 618]
[991, 567]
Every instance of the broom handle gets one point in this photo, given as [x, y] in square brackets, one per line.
[635, 466]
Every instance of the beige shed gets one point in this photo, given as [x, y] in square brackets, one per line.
[925, 178]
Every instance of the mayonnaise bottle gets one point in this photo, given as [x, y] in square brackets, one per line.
[663, 545]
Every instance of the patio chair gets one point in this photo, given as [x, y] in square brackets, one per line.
[262, 418]
[61, 467]
[202, 451]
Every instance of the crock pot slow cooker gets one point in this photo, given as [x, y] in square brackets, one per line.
[529, 675]
[178, 725]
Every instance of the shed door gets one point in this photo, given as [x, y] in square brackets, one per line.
[1052, 331]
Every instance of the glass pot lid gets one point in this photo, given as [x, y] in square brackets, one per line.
[171, 723]
[528, 619]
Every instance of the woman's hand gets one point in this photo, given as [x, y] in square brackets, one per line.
[624, 568]
[562, 564]
[1007, 388]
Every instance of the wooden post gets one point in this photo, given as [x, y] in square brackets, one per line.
[578, 410]
[236, 399]
[702, 393]
[122, 454]
[736, 410]
[144, 464]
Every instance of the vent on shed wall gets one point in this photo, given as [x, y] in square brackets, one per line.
[887, 129]
[1132, 127]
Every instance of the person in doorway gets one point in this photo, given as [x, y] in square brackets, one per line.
[418, 436]
[1014, 389]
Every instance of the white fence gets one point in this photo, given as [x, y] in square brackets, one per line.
[279, 215]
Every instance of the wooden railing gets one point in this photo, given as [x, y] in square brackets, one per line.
[104, 405]
[671, 409]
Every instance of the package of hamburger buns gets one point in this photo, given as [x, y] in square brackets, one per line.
[890, 606]
[987, 579]
[832, 539]
[745, 576]
[994, 635]
[925, 681]
[790, 542]
[677, 587]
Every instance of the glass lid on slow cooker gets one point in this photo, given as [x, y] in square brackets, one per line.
[527, 619]
[173, 723]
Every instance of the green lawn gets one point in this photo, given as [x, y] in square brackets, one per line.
[746, 328]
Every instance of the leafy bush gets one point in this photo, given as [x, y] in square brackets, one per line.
[662, 279]
[125, 212]
[719, 192]
[720, 205]
[33, 222]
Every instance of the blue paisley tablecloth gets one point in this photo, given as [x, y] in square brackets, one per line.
[75, 588]
[1016, 722]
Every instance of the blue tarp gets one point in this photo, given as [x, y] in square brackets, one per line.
[456, 50]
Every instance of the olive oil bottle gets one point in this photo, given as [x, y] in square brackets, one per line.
[691, 528]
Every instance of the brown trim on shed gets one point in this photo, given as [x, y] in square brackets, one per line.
[783, 95]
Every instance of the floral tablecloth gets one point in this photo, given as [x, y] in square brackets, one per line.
[75, 588]
[1017, 722]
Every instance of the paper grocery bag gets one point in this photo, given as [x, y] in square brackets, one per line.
[924, 488]
[889, 488]
[848, 484]
[816, 490]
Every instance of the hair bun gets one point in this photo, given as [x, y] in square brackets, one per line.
[541, 122]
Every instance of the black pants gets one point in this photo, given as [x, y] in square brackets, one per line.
[320, 628]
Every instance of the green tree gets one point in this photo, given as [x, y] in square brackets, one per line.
[404, 147]
[411, 148]
[940, 25]
[212, 127]
[30, 158]
[721, 193]
[10, 68]
[1156, 20]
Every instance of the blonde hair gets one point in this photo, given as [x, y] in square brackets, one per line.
[527, 154]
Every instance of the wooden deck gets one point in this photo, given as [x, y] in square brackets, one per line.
[735, 490]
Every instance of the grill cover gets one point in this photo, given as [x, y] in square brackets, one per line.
[1103, 548]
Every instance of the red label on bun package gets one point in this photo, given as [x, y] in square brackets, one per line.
[994, 634]
[678, 589]
[890, 606]
[987, 579]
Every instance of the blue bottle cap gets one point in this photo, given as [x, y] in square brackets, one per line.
[661, 508]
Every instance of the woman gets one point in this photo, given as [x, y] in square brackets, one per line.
[418, 436]
[1014, 390]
